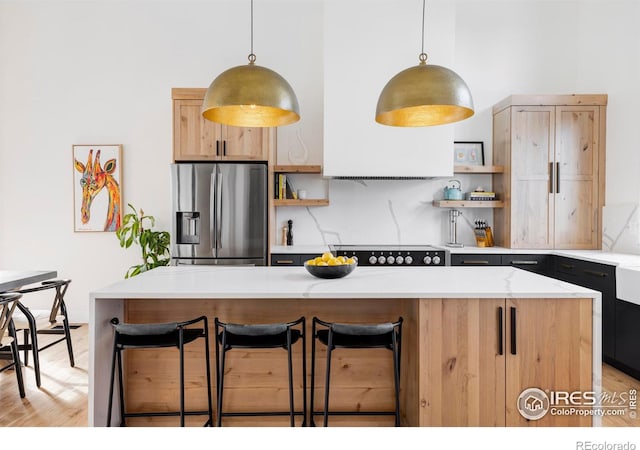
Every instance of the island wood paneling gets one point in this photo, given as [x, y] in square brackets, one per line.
[467, 381]
[256, 380]
[553, 353]
[459, 356]
[452, 372]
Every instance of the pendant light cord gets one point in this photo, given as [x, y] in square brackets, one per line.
[423, 56]
[252, 56]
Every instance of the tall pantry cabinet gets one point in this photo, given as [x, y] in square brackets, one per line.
[553, 150]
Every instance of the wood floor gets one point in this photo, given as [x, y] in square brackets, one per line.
[62, 399]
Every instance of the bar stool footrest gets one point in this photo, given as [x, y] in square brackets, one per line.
[166, 414]
[356, 413]
[261, 413]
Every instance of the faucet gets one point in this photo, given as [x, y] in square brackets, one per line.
[453, 228]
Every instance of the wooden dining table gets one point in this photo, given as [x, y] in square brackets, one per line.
[15, 279]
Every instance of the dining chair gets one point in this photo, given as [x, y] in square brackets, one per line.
[8, 341]
[44, 321]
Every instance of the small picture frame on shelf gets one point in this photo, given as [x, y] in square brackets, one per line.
[468, 153]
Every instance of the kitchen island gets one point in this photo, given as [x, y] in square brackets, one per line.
[464, 361]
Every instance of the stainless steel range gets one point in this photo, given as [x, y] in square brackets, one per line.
[394, 255]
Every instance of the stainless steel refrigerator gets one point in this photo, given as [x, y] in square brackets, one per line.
[219, 213]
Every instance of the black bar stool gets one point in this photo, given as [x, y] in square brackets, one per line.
[262, 336]
[53, 321]
[341, 335]
[8, 303]
[158, 335]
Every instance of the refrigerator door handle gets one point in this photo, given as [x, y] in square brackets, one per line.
[218, 209]
[212, 214]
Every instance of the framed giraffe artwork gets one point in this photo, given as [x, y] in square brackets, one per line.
[97, 187]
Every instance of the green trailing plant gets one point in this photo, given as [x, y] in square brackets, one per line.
[136, 228]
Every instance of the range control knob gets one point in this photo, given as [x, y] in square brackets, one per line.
[427, 260]
[355, 258]
[373, 259]
[436, 260]
[390, 260]
[408, 260]
[399, 259]
[382, 259]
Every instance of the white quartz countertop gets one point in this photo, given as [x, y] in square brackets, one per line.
[614, 259]
[364, 282]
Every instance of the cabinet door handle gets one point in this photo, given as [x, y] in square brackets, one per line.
[224, 148]
[567, 266]
[513, 331]
[217, 147]
[595, 273]
[284, 261]
[550, 178]
[557, 178]
[524, 263]
[500, 331]
[479, 261]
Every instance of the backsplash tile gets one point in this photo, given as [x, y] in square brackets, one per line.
[621, 228]
[386, 212]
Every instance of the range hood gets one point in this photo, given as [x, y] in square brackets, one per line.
[382, 152]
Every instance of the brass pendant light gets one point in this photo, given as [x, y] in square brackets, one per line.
[424, 95]
[251, 96]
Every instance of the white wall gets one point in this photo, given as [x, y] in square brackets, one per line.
[101, 72]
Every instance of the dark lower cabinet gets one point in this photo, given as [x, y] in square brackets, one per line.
[627, 338]
[290, 259]
[285, 259]
[537, 263]
[475, 259]
[599, 277]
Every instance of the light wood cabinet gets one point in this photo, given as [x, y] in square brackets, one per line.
[553, 152]
[478, 355]
[197, 139]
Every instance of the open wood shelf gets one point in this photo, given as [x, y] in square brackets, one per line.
[298, 168]
[468, 204]
[478, 169]
[298, 202]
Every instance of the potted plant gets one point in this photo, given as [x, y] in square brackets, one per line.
[137, 228]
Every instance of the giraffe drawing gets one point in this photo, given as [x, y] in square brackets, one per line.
[94, 179]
